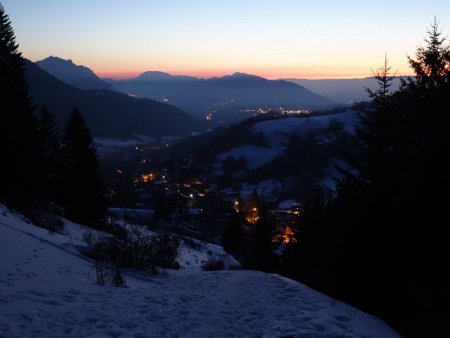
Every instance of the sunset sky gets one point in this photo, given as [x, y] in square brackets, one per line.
[270, 38]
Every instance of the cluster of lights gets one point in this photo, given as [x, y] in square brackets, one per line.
[285, 235]
[147, 177]
[253, 216]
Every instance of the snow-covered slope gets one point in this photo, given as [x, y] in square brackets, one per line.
[45, 292]
[277, 133]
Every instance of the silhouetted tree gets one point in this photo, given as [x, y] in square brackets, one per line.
[161, 206]
[261, 254]
[50, 157]
[393, 218]
[18, 140]
[432, 63]
[83, 191]
[312, 259]
[383, 236]
[234, 240]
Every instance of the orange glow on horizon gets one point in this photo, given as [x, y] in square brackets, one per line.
[271, 74]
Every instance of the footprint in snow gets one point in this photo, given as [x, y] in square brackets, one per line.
[183, 312]
[68, 330]
[319, 327]
[341, 325]
[91, 320]
[342, 318]
[52, 302]
[184, 298]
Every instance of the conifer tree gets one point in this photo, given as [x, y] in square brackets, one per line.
[83, 190]
[50, 157]
[375, 124]
[391, 221]
[18, 146]
[432, 63]
[234, 239]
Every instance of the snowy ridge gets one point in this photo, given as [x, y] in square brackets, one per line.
[45, 292]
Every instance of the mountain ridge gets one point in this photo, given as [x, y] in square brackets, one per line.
[201, 96]
[108, 113]
[68, 72]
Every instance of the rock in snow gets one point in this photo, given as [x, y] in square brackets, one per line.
[45, 292]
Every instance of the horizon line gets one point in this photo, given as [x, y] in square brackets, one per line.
[210, 75]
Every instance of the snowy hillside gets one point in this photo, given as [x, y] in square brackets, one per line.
[45, 292]
[277, 133]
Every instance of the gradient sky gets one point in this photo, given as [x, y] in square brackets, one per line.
[270, 38]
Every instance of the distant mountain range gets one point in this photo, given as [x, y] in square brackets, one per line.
[344, 91]
[108, 113]
[230, 98]
[216, 95]
[72, 74]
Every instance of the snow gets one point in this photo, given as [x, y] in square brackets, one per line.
[277, 133]
[192, 260]
[287, 204]
[256, 156]
[269, 190]
[280, 128]
[46, 292]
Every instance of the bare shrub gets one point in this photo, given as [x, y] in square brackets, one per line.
[213, 264]
[139, 250]
[107, 274]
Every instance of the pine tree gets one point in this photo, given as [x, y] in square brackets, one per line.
[50, 159]
[234, 239]
[83, 190]
[18, 135]
[432, 64]
[394, 220]
[382, 239]
[375, 121]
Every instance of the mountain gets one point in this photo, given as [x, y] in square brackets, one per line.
[48, 289]
[161, 76]
[345, 91]
[219, 95]
[78, 76]
[108, 113]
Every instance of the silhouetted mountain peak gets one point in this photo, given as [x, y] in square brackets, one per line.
[67, 71]
[56, 63]
[239, 75]
[161, 76]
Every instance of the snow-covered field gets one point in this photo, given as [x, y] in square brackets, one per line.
[45, 292]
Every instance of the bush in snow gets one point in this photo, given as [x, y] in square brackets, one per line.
[89, 237]
[139, 250]
[213, 264]
[107, 274]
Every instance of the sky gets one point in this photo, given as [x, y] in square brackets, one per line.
[270, 38]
